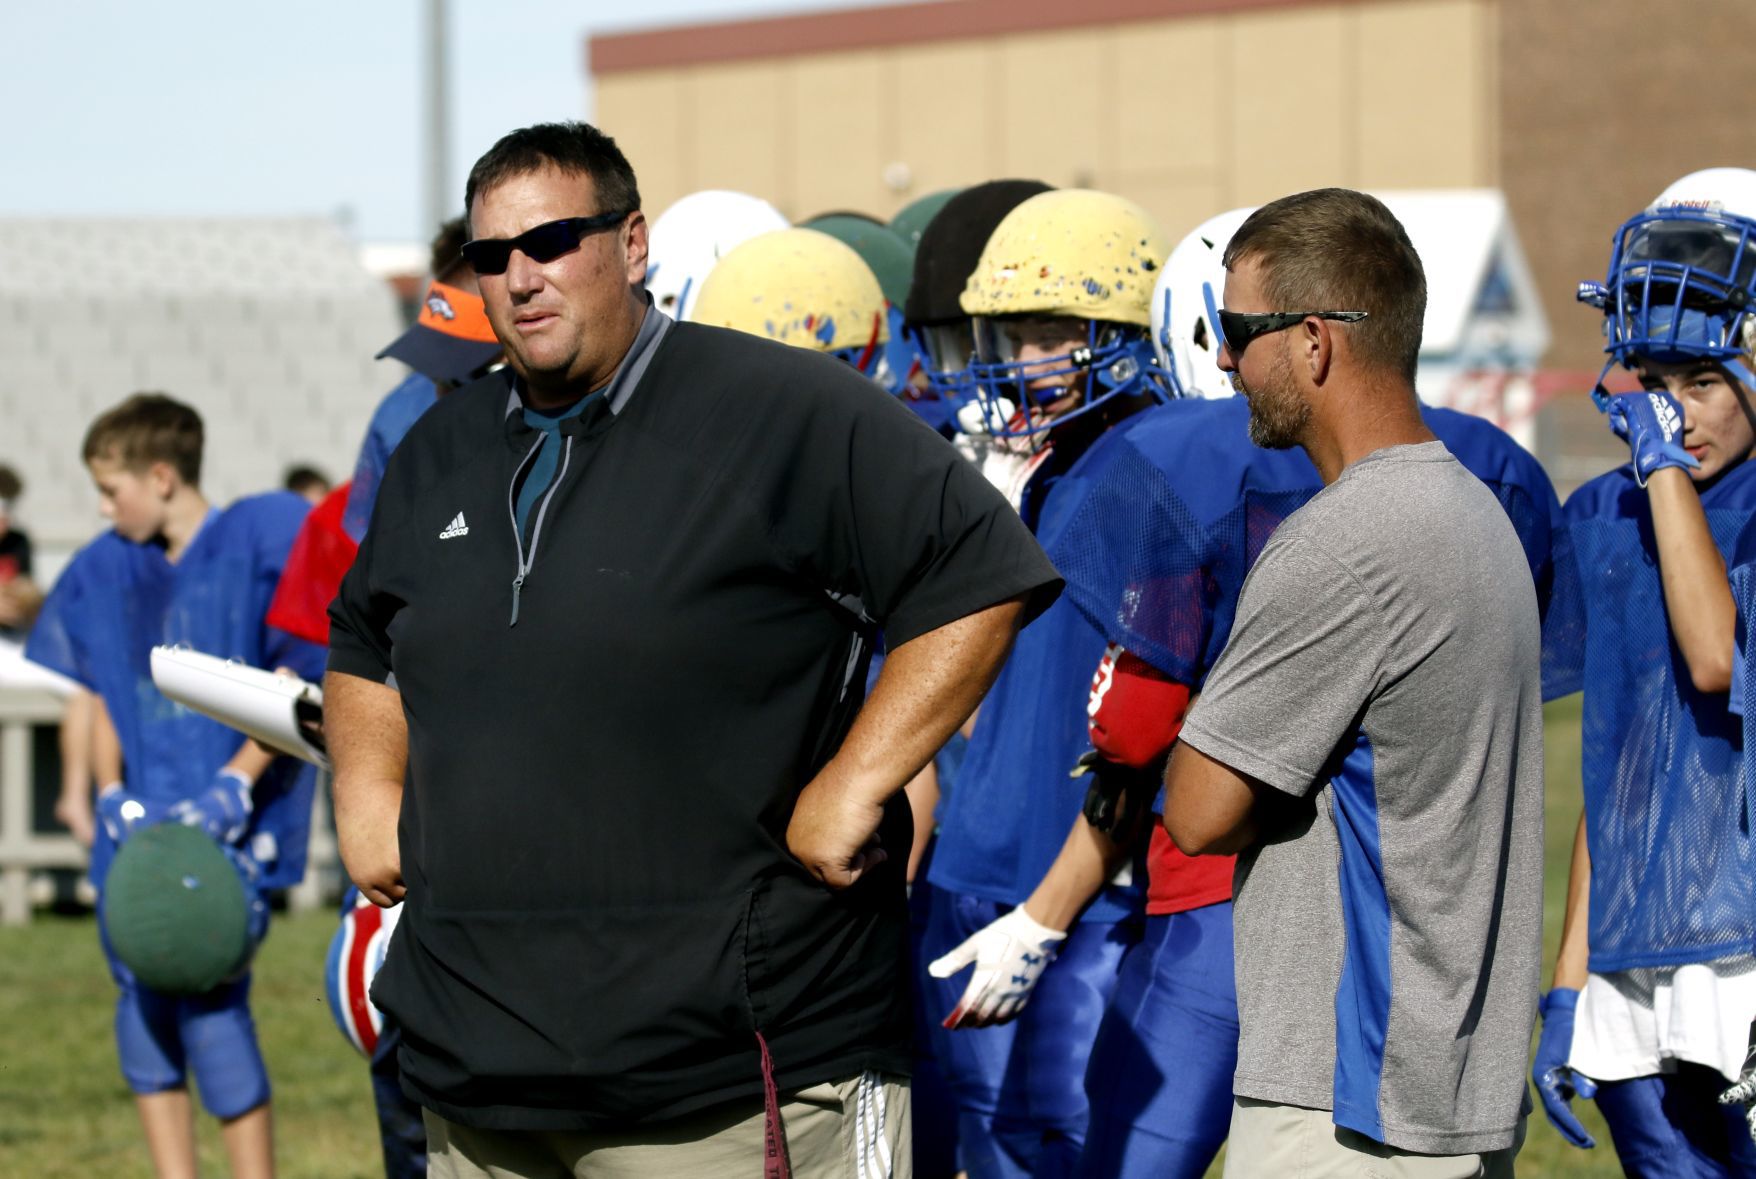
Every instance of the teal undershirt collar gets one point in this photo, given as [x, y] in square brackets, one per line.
[542, 470]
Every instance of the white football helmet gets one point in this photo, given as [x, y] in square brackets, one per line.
[693, 234]
[1186, 343]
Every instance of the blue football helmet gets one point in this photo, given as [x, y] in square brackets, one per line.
[1681, 276]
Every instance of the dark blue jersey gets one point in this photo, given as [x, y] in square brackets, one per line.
[116, 600]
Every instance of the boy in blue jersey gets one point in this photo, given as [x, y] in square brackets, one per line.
[1058, 362]
[1183, 502]
[1655, 983]
[175, 570]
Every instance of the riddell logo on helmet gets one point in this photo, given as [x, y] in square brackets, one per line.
[1703, 205]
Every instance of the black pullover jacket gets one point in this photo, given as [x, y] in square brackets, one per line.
[602, 914]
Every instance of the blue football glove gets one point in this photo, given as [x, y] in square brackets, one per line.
[1651, 423]
[122, 814]
[222, 810]
[1557, 1084]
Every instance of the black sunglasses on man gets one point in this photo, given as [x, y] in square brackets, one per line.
[542, 243]
[1238, 328]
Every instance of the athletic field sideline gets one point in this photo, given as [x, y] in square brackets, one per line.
[65, 1112]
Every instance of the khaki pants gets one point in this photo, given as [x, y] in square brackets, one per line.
[1286, 1142]
[852, 1129]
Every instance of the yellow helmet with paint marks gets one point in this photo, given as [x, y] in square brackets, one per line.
[800, 287]
[1070, 252]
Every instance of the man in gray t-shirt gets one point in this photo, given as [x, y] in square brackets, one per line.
[1371, 738]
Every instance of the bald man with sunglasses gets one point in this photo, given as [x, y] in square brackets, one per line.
[612, 616]
[1370, 740]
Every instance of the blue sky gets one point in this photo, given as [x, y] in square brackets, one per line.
[116, 107]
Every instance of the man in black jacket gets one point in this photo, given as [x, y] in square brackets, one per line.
[612, 617]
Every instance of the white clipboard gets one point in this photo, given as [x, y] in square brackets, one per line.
[283, 712]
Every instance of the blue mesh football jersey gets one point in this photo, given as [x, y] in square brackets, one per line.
[1154, 530]
[1160, 552]
[1003, 825]
[116, 600]
[1673, 871]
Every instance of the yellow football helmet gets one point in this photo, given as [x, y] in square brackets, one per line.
[1072, 252]
[800, 287]
[1062, 303]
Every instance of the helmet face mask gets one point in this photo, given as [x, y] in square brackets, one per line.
[1681, 275]
[1679, 285]
[1034, 373]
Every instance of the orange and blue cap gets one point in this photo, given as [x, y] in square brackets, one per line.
[451, 340]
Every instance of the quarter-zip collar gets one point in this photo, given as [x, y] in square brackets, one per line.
[586, 417]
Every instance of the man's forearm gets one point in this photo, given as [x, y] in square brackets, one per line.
[928, 685]
[1209, 807]
[927, 688]
[367, 735]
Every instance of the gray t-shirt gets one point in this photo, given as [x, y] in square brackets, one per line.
[1383, 677]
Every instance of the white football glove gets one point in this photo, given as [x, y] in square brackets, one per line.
[1010, 954]
[1744, 1092]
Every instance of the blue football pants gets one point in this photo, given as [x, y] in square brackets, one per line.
[1160, 1078]
[1671, 1126]
[1020, 1087]
[163, 1039]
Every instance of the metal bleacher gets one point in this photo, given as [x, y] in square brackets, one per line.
[268, 327]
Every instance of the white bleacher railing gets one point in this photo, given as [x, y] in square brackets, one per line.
[24, 850]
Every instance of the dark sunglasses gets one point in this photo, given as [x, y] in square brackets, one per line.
[1238, 328]
[544, 243]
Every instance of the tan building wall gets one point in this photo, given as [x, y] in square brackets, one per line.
[1581, 110]
[1187, 107]
[1606, 102]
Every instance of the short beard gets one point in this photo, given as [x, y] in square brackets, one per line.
[1278, 415]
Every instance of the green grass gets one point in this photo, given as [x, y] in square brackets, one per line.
[65, 1112]
[1545, 1152]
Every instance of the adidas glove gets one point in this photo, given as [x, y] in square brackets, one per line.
[222, 810]
[1744, 1092]
[1651, 423]
[122, 814]
[1556, 1083]
[1009, 954]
